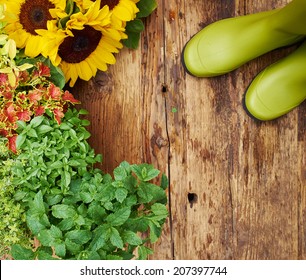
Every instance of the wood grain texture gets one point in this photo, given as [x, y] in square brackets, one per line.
[237, 187]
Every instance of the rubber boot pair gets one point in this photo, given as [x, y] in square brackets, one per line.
[227, 44]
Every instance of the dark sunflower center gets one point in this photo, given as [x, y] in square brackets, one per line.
[34, 14]
[78, 48]
[111, 3]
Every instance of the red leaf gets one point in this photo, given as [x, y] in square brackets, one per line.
[34, 96]
[8, 94]
[3, 79]
[12, 143]
[69, 97]
[24, 116]
[10, 112]
[40, 110]
[58, 114]
[43, 70]
[54, 92]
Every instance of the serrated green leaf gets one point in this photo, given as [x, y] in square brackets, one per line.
[66, 224]
[20, 253]
[155, 232]
[121, 194]
[56, 233]
[60, 249]
[35, 224]
[159, 210]
[53, 199]
[86, 197]
[79, 236]
[37, 205]
[119, 218]
[63, 211]
[45, 253]
[164, 182]
[132, 238]
[151, 174]
[45, 237]
[100, 237]
[73, 247]
[143, 252]
[120, 173]
[115, 238]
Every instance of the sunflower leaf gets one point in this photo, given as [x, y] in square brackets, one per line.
[132, 42]
[146, 7]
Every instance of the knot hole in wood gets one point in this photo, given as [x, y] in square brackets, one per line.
[192, 198]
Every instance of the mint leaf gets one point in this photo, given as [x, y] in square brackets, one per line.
[155, 232]
[79, 236]
[120, 173]
[132, 238]
[63, 211]
[121, 194]
[20, 253]
[119, 218]
[100, 236]
[115, 238]
[143, 252]
[160, 211]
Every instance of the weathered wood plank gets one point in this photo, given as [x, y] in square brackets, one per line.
[246, 175]
[237, 187]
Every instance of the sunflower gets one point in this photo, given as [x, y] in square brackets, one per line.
[85, 53]
[125, 10]
[24, 17]
[87, 43]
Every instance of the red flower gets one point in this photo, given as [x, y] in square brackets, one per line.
[58, 114]
[69, 97]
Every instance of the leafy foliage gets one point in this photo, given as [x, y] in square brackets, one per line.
[74, 210]
[28, 90]
[12, 216]
[136, 26]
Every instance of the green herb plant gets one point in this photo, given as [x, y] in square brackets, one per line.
[74, 209]
[13, 227]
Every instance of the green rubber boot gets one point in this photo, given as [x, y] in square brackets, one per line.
[279, 88]
[227, 44]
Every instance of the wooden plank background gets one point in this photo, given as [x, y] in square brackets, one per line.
[237, 187]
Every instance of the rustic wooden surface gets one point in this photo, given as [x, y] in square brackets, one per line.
[237, 187]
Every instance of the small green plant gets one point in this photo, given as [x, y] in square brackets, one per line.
[72, 208]
[13, 228]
